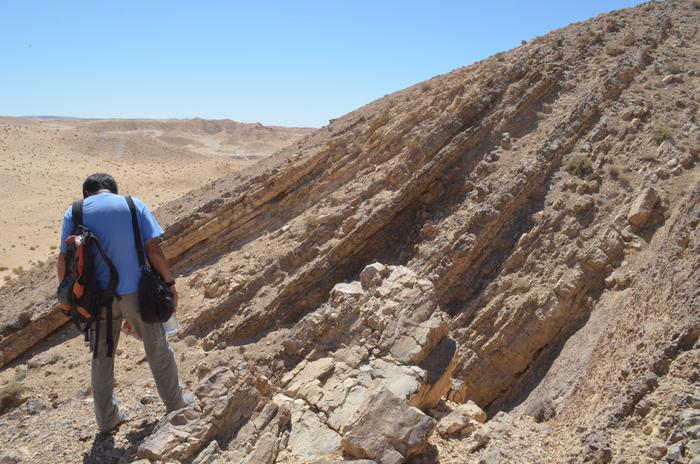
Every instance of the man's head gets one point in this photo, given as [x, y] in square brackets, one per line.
[100, 181]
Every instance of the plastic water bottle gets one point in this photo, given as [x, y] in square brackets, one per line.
[171, 326]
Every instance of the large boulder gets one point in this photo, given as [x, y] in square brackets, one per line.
[372, 275]
[387, 430]
[642, 207]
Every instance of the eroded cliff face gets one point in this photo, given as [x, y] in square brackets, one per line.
[520, 233]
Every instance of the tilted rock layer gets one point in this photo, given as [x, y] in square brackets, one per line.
[521, 233]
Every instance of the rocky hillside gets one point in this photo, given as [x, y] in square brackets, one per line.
[499, 264]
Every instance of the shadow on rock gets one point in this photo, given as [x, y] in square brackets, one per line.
[104, 451]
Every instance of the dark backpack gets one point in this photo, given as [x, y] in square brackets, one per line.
[79, 293]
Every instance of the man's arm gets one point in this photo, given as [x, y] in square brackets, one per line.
[65, 233]
[158, 262]
[61, 266]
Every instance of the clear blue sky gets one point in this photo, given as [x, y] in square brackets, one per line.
[277, 62]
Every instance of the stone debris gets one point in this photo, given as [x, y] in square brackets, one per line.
[309, 437]
[209, 455]
[227, 399]
[410, 363]
[260, 440]
[463, 420]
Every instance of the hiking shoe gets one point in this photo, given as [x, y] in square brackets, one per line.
[188, 398]
[121, 418]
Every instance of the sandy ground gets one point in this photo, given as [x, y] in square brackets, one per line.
[44, 162]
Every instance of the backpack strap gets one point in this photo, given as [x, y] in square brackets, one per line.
[97, 337]
[137, 231]
[107, 300]
[111, 290]
[77, 213]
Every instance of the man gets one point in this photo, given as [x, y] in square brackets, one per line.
[106, 214]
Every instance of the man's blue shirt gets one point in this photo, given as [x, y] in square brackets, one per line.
[108, 217]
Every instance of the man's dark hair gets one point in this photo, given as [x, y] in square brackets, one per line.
[97, 182]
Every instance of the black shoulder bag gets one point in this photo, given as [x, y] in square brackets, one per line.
[156, 299]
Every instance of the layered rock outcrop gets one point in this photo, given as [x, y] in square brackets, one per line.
[521, 233]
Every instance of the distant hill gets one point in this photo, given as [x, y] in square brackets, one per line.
[46, 158]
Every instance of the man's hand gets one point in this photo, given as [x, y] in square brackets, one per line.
[129, 330]
[158, 262]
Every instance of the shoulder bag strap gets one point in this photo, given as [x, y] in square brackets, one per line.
[137, 230]
[77, 212]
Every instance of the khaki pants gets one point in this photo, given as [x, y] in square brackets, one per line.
[159, 353]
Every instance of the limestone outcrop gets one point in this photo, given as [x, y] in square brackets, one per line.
[521, 234]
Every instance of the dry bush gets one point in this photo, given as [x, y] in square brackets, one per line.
[587, 37]
[612, 171]
[614, 50]
[661, 134]
[696, 4]
[11, 396]
[673, 68]
[579, 165]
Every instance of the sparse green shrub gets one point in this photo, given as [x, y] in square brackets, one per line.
[661, 134]
[579, 165]
[614, 50]
[19, 270]
[673, 68]
[11, 396]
